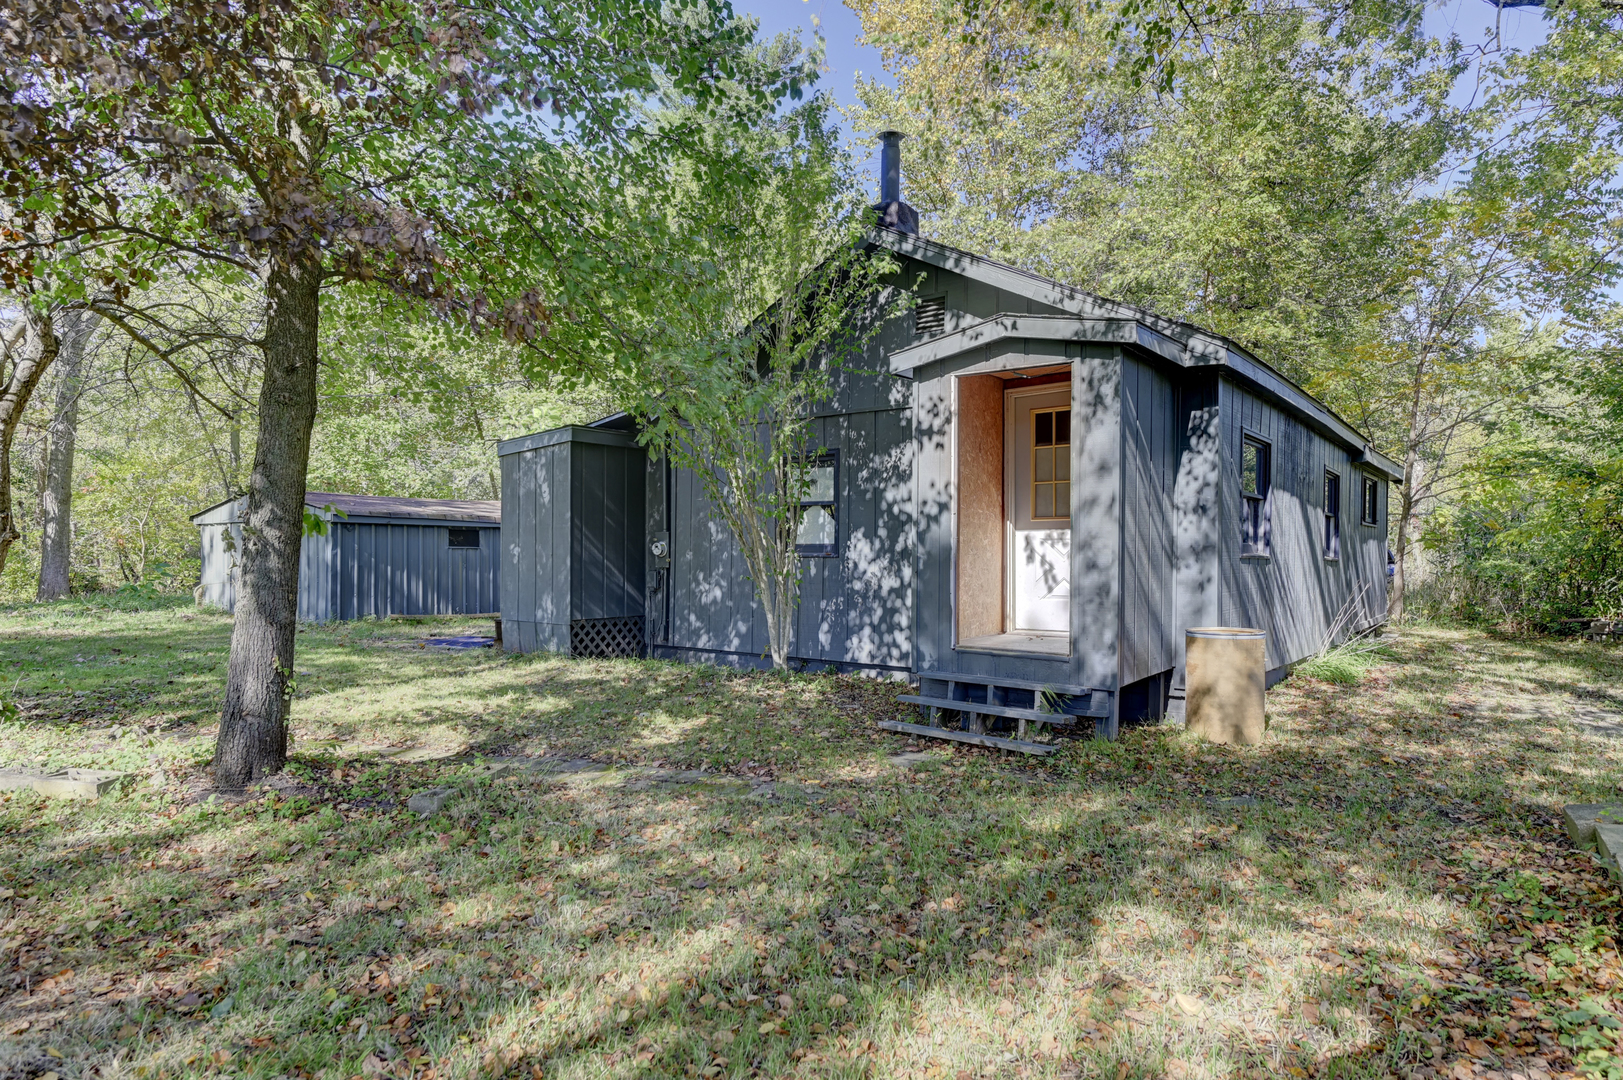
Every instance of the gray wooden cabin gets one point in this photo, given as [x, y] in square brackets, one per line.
[1036, 491]
[380, 556]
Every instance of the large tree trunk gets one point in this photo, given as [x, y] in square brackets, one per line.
[56, 496]
[253, 725]
[33, 348]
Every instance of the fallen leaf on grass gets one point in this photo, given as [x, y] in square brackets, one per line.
[1188, 1005]
[836, 1001]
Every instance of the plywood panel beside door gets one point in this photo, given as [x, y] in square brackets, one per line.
[980, 466]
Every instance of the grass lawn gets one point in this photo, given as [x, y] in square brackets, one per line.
[1381, 889]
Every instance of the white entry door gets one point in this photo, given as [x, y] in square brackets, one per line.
[1037, 498]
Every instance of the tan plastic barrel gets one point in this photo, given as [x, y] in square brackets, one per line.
[1224, 683]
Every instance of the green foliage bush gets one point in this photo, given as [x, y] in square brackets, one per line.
[1533, 543]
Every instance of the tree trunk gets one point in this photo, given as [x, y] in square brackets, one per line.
[34, 359]
[56, 497]
[253, 724]
[1395, 601]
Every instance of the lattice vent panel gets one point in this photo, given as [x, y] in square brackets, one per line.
[605, 637]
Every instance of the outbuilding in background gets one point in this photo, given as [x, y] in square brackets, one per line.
[380, 556]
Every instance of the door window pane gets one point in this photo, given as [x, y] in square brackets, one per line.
[1050, 464]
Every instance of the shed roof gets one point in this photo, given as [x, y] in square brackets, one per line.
[374, 507]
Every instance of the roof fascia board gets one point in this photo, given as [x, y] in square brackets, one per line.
[1001, 328]
[572, 433]
[222, 513]
[406, 519]
[1275, 385]
[1066, 298]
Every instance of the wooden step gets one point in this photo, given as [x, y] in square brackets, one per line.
[1018, 745]
[994, 710]
[998, 680]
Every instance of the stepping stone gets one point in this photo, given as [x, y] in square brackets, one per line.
[561, 766]
[65, 784]
[494, 770]
[1235, 802]
[431, 801]
[1609, 841]
[913, 759]
[1582, 817]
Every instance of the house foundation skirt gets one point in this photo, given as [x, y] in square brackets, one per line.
[1225, 679]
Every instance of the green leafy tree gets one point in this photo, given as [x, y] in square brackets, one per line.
[780, 296]
[304, 144]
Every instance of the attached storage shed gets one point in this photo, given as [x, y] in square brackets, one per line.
[381, 556]
[572, 542]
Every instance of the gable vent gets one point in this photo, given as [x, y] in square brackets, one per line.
[930, 317]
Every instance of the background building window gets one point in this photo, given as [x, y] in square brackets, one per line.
[1051, 464]
[464, 538]
[1371, 502]
[1332, 515]
[819, 509]
[1255, 474]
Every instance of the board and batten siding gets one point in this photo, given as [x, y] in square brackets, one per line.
[855, 606]
[573, 543]
[1150, 435]
[1295, 593]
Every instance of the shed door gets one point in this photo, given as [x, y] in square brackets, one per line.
[1037, 493]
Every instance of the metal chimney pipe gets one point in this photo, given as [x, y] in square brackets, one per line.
[890, 166]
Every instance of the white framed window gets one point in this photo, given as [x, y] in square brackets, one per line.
[819, 530]
[1332, 515]
[1256, 475]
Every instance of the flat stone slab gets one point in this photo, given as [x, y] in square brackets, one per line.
[1602, 722]
[1582, 817]
[562, 766]
[718, 782]
[431, 801]
[63, 784]
[779, 791]
[912, 759]
[1233, 802]
[1609, 842]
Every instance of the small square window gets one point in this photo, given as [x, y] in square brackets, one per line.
[1370, 503]
[1332, 515]
[1255, 477]
[819, 531]
[464, 538]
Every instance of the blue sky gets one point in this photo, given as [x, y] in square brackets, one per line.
[847, 58]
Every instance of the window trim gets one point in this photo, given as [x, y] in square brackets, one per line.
[1259, 518]
[1332, 516]
[821, 551]
[1369, 501]
[451, 538]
